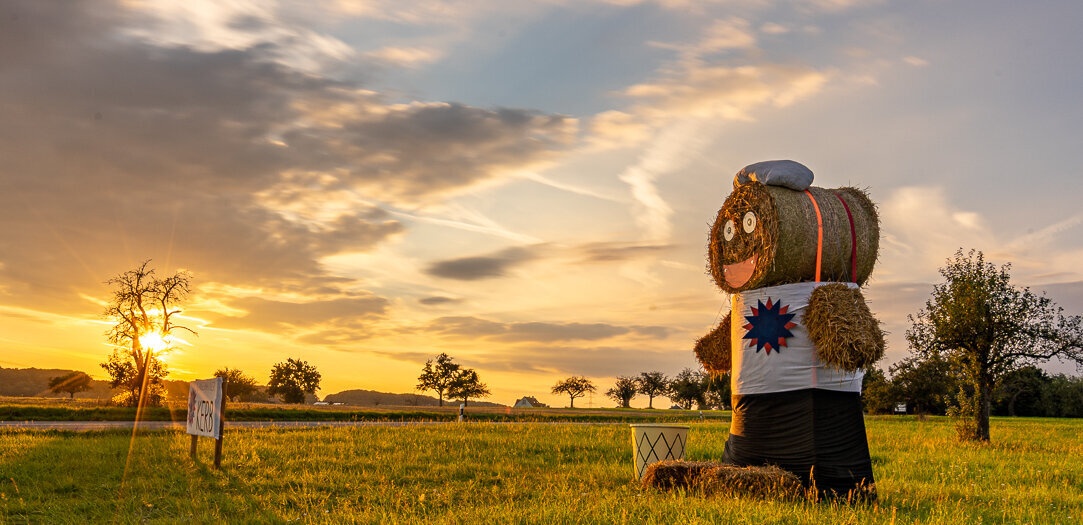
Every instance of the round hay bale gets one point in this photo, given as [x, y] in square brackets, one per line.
[781, 248]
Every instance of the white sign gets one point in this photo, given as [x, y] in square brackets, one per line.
[205, 408]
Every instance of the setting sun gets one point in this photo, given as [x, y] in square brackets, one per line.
[155, 341]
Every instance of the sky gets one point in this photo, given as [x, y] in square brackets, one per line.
[526, 186]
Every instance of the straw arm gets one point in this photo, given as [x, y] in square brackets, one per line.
[846, 334]
[713, 349]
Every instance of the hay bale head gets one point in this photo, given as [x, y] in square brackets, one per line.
[767, 235]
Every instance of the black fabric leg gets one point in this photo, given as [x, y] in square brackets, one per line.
[815, 434]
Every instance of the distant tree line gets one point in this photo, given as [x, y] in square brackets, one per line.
[930, 387]
[689, 388]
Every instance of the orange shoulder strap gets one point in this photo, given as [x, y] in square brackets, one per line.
[819, 234]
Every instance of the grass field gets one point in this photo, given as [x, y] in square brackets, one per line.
[531, 473]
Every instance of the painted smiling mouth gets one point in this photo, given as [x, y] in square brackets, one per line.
[737, 274]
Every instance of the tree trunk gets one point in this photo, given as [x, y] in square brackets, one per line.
[624, 404]
[573, 401]
[650, 401]
[1011, 403]
[981, 418]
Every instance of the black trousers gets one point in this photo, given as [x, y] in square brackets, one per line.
[819, 435]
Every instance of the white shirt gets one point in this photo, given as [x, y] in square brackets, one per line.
[762, 363]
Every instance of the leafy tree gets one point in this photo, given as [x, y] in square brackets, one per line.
[687, 388]
[877, 394]
[986, 327]
[72, 383]
[438, 377]
[927, 385]
[143, 310]
[292, 380]
[716, 391]
[238, 385]
[652, 384]
[1062, 396]
[575, 386]
[1020, 393]
[466, 385]
[623, 391]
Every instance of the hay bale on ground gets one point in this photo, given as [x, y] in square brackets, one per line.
[671, 474]
[711, 478]
[846, 334]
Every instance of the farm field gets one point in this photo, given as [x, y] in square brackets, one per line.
[519, 473]
[38, 409]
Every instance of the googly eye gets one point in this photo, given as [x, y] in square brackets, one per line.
[729, 230]
[749, 222]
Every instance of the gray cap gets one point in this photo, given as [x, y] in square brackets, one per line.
[788, 173]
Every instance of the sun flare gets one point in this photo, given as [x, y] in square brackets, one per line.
[155, 341]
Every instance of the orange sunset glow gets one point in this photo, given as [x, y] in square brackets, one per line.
[525, 186]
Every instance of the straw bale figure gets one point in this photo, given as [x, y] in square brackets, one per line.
[799, 333]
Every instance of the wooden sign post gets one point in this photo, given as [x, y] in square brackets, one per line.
[206, 413]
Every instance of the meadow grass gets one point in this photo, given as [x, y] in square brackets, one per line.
[515, 473]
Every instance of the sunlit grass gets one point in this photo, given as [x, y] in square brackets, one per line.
[527, 473]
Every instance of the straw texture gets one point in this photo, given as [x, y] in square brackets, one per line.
[845, 333]
[711, 478]
[713, 349]
[784, 242]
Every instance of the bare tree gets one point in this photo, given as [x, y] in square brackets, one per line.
[143, 310]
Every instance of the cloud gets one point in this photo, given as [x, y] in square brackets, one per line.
[616, 128]
[915, 61]
[437, 300]
[405, 56]
[605, 252]
[210, 26]
[480, 267]
[772, 28]
[221, 157]
[727, 33]
[336, 322]
[715, 91]
[667, 153]
[268, 314]
[920, 229]
[604, 361]
[544, 332]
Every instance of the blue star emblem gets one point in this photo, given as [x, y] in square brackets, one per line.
[769, 326]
